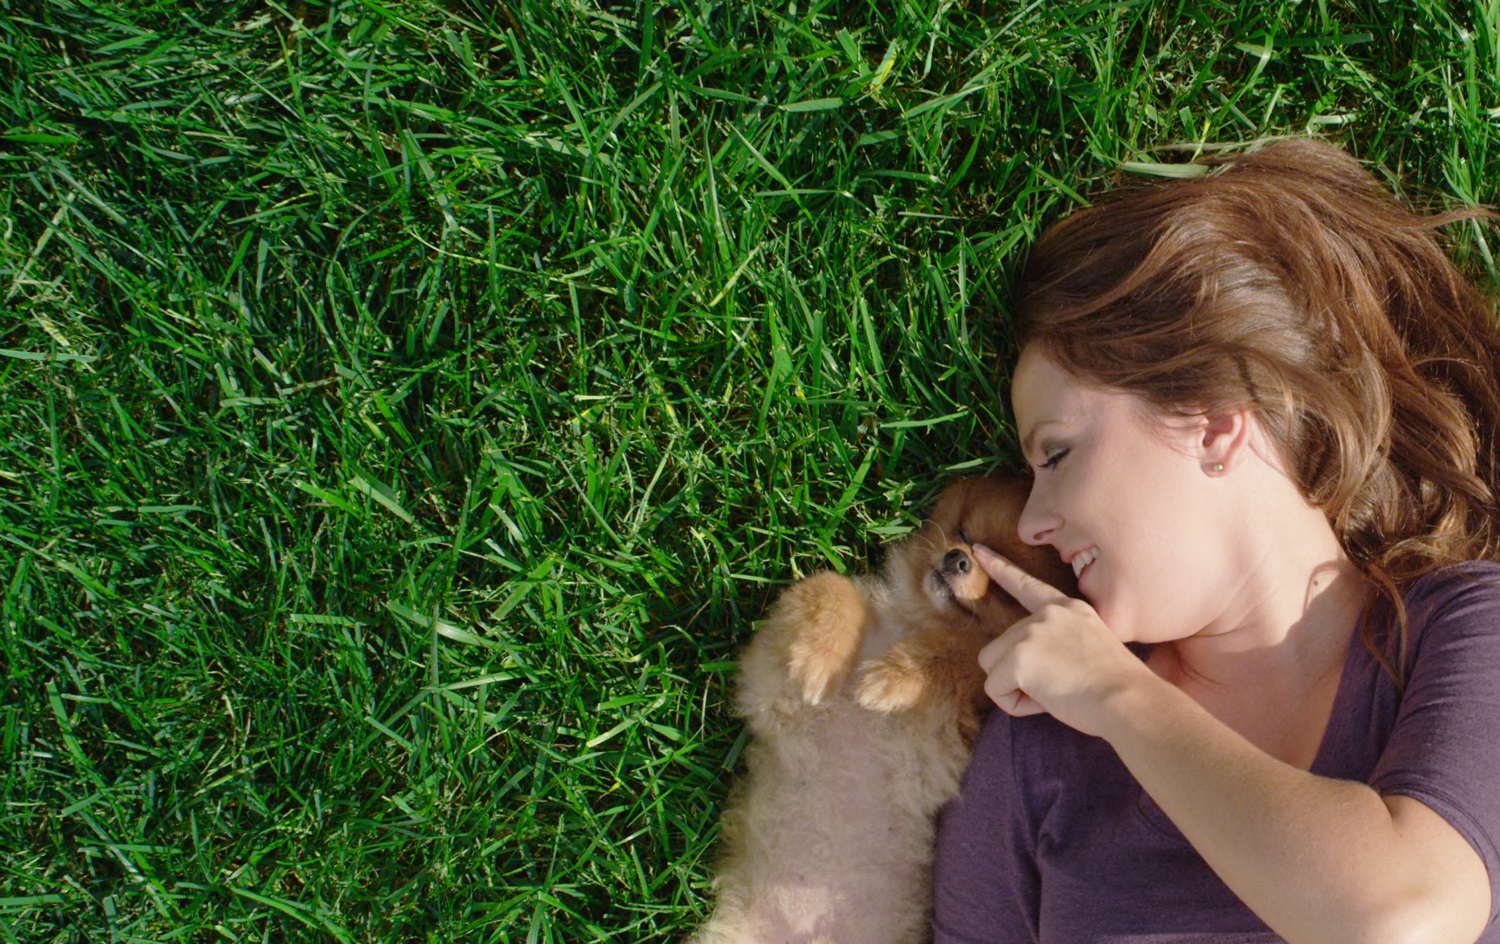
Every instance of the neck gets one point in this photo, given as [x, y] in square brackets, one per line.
[1286, 624]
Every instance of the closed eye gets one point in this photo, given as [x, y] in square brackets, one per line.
[1054, 459]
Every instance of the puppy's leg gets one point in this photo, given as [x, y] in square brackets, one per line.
[935, 666]
[831, 614]
[809, 641]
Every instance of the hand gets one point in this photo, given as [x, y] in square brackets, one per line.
[1061, 659]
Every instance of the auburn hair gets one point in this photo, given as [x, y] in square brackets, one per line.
[1290, 281]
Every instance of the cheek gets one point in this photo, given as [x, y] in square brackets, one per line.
[1144, 507]
[1153, 587]
[997, 612]
[1172, 594]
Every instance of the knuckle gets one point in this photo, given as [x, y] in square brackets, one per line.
[996, 690]
[1053, 609]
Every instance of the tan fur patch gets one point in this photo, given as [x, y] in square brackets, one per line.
[831, 614]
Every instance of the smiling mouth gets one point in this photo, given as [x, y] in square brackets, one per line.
[1083, 559]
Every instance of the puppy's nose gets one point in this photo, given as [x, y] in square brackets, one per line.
[957, 562]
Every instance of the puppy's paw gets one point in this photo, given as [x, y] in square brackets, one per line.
[828, 615]
[894, 682]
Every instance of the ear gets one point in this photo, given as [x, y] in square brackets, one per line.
[1223, 440]
[951, 500]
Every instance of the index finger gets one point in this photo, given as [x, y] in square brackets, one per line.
[1031, 592]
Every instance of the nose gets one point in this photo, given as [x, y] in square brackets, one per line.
[956, 562]
[1038, 522]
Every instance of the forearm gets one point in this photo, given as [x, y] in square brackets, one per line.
[1317, 859]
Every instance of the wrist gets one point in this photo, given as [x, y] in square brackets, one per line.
[1136, 696]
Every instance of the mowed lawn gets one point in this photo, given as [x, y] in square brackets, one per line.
[409, 407]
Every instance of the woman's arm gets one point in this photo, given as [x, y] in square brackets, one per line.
[1316, 859]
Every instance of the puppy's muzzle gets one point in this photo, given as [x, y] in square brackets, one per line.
[965, 578]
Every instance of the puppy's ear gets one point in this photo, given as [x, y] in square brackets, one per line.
[989, 509]
[1005, 499]
[955, 504]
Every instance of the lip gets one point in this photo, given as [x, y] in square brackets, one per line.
[1071, 557]
[944, 591]
[939, 585]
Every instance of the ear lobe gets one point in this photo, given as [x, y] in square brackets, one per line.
[1224, 437]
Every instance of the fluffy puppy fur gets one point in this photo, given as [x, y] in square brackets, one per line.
[863, 698]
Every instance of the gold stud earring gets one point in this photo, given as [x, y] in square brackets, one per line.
[1216, 468]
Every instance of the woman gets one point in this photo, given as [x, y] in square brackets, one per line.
[1261, 406]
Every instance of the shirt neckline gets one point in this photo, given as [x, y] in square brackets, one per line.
[1326, 759]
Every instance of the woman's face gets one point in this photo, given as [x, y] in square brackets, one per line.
[1127, 498]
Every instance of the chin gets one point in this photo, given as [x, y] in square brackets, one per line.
[1120, 624]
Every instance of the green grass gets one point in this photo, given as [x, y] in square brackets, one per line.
[410, 406]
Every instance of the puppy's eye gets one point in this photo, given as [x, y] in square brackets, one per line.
[963, 537]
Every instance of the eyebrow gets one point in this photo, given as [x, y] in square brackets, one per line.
[1030, 439]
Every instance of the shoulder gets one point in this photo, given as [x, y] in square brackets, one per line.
[1024, 774]
[1454, 603]
[1036, 757]
[1440, 750]
[1467, 578]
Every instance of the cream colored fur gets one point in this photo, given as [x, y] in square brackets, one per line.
[863, 697]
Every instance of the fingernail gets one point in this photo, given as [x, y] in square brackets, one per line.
[981, 551]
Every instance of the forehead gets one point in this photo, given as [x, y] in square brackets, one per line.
[1044, 395]
[1042, 392]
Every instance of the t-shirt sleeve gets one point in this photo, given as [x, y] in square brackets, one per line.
[985, 885]
[1444, 750]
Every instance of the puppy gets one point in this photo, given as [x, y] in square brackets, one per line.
[863, 698]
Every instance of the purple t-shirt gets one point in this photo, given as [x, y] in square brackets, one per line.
[1051, 839]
